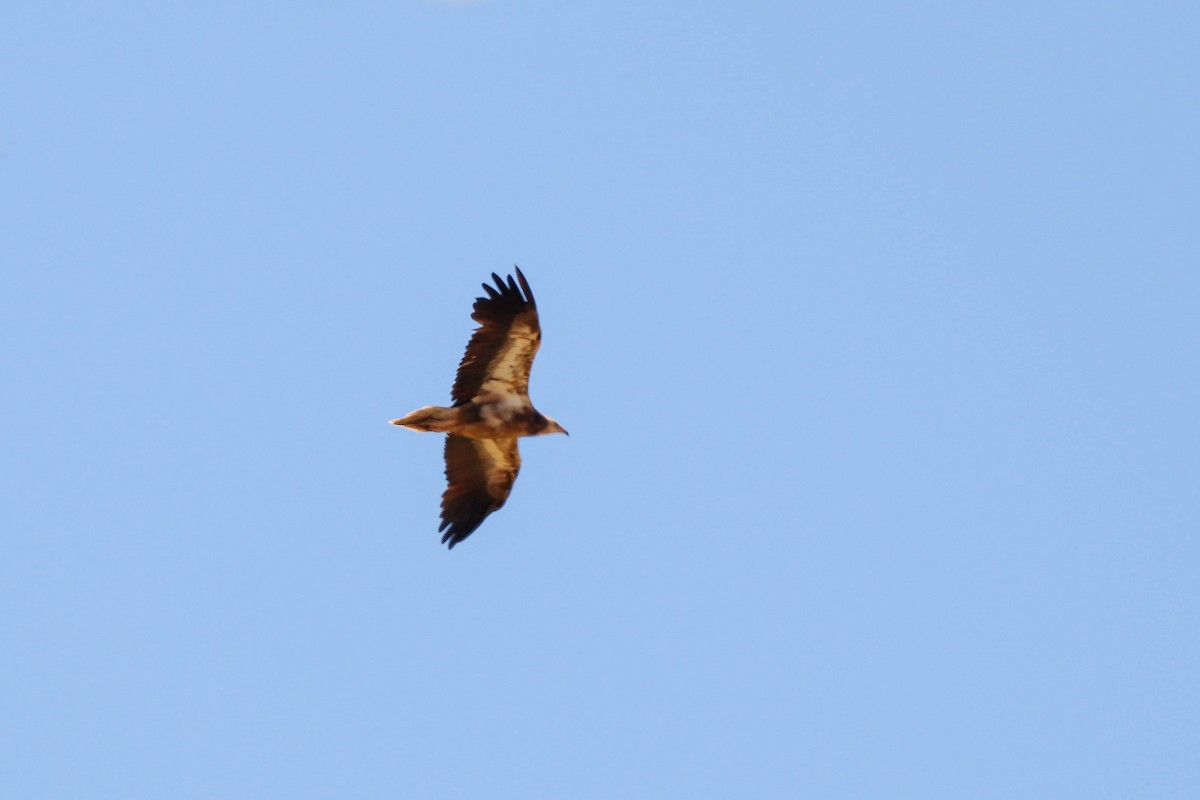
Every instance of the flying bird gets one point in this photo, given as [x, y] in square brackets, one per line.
[491, 408]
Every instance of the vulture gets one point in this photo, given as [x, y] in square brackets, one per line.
[491, 408]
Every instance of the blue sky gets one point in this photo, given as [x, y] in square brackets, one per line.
[874, 326]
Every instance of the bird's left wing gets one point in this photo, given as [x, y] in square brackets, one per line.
[479, 477]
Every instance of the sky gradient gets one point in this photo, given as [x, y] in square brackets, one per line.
[874, 326]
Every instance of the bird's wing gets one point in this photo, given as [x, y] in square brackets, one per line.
[500, 353]
[479, 476]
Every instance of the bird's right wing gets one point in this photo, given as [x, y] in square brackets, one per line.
[500, 353]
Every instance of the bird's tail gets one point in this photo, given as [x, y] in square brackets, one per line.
[429, 418]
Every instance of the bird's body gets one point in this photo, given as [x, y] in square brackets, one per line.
[489, 417]
[491, 408]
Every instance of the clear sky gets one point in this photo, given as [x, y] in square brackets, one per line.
[874, 326]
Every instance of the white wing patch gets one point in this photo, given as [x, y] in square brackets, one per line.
[504, 460]
[509, 372]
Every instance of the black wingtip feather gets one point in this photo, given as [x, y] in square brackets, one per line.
[457, 533]
[525, 286]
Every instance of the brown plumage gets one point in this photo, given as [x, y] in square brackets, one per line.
[491, 408]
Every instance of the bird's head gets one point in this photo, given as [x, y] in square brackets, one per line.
[552, 426]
